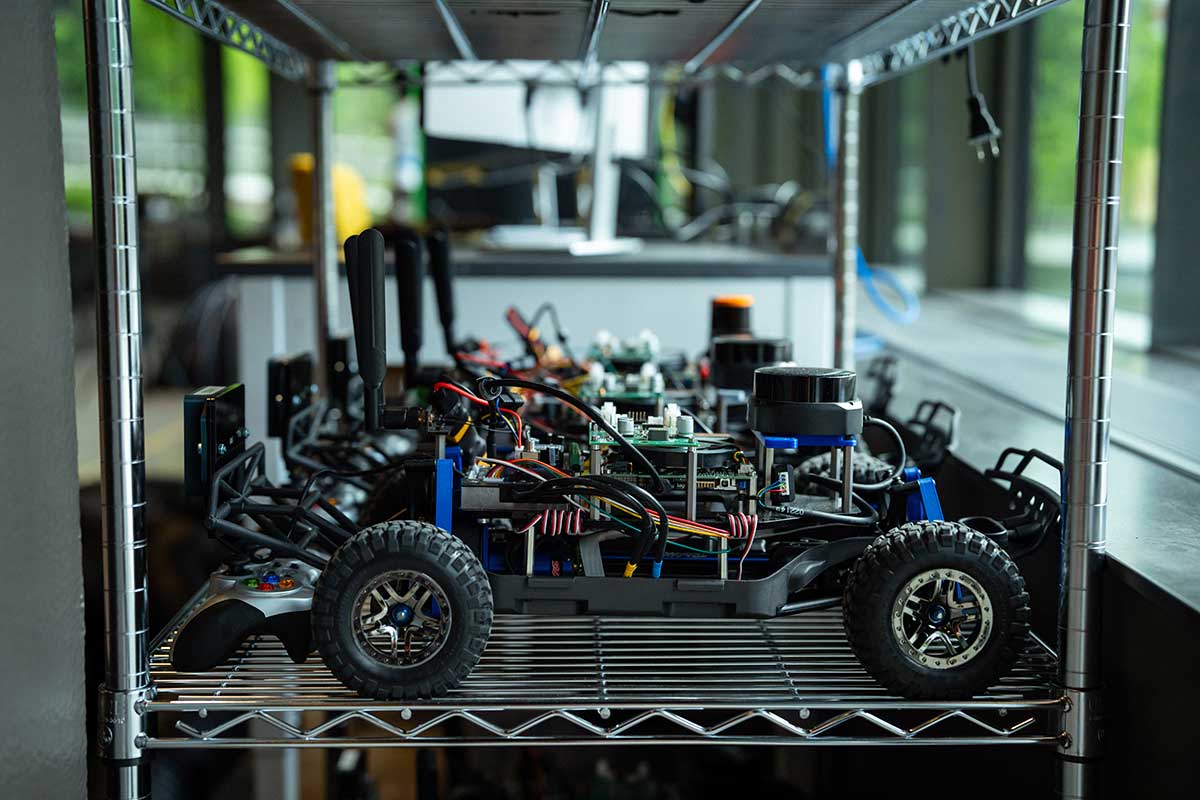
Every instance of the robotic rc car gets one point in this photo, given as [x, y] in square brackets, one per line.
[547, 488]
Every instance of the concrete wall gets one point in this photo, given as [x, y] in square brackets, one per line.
[41, 593]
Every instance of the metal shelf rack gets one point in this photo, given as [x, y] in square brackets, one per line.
[613, 680]
[852, 45]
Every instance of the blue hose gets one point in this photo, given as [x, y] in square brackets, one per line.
[910, 310]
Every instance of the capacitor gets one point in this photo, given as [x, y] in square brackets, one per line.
[625, 425]
[685, 427]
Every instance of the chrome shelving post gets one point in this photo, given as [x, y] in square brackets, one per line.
[1089, 371]
[121, 728]
[325, 261]
[845, 215]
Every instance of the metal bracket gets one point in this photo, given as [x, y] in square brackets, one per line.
[122, 731]
[217, 22]
[1081, 724]
[947, 35]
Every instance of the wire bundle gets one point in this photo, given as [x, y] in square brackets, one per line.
[611, 497]
[557, 522]
[519, 429]
[743, 526]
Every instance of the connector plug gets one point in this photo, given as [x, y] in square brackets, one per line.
[983, 132]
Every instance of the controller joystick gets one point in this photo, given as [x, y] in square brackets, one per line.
[272, 598]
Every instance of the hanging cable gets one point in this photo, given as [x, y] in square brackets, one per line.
[982, 131]
[901, 455]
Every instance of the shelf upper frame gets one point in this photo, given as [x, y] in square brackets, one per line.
[744, 40]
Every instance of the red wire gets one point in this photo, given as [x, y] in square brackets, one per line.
[520, 426]
[481, 402]
[483, 362]
[753, 528]
[653, 514]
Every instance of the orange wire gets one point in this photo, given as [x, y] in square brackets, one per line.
[650, 511]
[520, 425]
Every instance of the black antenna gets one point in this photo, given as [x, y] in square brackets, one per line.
[437, 242]
[364, 273]
[410, 285]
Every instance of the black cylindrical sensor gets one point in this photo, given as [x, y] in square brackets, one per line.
[789, 384]
[731, 316]
[805, 401]
[734, 359]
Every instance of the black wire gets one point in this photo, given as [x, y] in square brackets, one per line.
[391, 466]
[870, 518]
[486, 385]
[560, 332]
[901, 460]
[588, 486]
[664, 524]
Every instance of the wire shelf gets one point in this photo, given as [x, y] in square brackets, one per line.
[604, 680]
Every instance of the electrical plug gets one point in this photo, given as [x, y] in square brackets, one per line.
[983, 132]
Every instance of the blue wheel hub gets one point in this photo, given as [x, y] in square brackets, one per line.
[401, 615]
[937, 613]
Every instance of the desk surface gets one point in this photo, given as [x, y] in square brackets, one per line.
[655, 260]
[1009, 383]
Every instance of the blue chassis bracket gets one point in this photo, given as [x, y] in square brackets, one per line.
[792, 442]
[445, 488]
[924, 503]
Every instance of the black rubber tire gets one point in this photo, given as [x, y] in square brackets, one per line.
[867, 470]
[891, 561]
[409, 545]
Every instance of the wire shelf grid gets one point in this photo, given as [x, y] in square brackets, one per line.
[598, 680]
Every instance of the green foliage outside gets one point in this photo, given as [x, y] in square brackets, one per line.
[166, 56]
[246, 87]
[1056, 107]
[362, 110]
[1053, 141]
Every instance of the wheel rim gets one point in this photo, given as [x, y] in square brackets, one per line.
[942, 618]
[402, 618]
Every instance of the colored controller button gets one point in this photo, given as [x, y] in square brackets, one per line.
[266, 587]
[271, 577]
[251, 582]
[287, 583]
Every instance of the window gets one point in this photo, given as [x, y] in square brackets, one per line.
[363, 119]
[249, 188]
[168, 97]
[1053, 139]
[911, 178]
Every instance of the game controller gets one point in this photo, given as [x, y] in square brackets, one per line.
[271, 597]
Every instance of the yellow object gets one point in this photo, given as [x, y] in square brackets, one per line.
[457, 437]
[734, 300]
[630, 569]
[350, 214]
